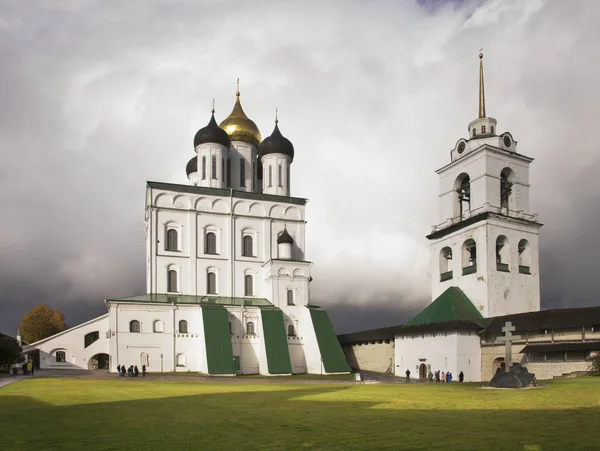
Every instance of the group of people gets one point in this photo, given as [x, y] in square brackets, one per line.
[444, 377]
[27, 368]
[439, 376]
[132, 371]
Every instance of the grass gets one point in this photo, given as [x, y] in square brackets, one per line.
[338, 377]
[125, 414]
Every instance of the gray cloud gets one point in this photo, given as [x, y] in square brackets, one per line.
[98, 97]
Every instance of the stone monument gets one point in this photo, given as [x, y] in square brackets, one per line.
[511, 375]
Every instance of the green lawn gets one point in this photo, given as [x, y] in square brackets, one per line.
[339, 377]
[125, 414]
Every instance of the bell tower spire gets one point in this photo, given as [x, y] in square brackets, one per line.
[481, 90]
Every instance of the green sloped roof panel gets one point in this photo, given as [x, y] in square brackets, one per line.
[219, 353]
[333, 357]
[276, 347]
[451, 305]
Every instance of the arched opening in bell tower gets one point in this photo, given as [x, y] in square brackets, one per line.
[524, 257]
[502, 254]
[445, 266]
[469, 257]
[507, 177]
[462, 196]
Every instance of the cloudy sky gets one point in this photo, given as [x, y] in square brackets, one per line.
[96, 97]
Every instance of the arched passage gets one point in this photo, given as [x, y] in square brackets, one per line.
[498, 363]
[99, 362]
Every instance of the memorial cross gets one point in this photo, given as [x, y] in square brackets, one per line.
[507, 339]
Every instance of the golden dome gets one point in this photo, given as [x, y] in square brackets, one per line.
[239, 127]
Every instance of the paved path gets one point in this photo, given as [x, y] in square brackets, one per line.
[9, 380]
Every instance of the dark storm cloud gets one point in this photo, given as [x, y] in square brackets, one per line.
[96, 97]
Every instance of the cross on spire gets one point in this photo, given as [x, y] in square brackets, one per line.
[481, 90]
[508, 337]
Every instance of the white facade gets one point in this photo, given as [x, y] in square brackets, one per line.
[70, 349]
[441, 351]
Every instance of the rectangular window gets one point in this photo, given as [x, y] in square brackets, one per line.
[270, 176]
[279, 176]
[213, 167]
[253, 176]
[203, 168]
[243, 173]
[228, 172]
[223, 169]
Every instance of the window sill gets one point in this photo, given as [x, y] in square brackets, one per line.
[524, 270]
[502, 267]
[445, 276]
[469, 270]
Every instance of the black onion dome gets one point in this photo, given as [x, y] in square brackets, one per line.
[212, 133]
[276, 143]
[285, 238]
[192, 166]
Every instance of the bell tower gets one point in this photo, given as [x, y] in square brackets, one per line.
[487, 240]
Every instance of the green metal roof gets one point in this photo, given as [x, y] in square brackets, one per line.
[217, 339]
[333, 357]
[202, 300]
[451, 305]
[276, 347]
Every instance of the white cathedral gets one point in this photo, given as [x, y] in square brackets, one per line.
[228, 285]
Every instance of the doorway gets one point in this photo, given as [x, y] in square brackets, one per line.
[422, 371]
[99, 362]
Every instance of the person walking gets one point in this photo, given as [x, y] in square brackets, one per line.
[461, 377]
[32, 368]
[407, 376]
[430, 377]
[136, 371]
[144, 370]
[443, 377]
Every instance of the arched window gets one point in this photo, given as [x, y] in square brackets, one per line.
[183, 329]
[91, 338]
[250, 328]
[483, 129]
[228, 172]
[270, 175]
[157, 327]
[502, 254]
[61, 356]
[211, 283]
[248, 285]
[492, 129]
[203, 168]
[469, 257]
[506, 183]
[462, 202]
[223, 169]
[279, 175]
[290, 297]
[210, 243]
[474, 131]
[291, 331]
[172, 240]
[445, 267]
[180, 360]
[254, 176]
[134, 326]
[524, 257]
[213, 167]
[243, 173]
[144, 360]
[172, 281]
[247, 248]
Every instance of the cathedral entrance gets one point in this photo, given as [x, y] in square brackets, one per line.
[99, 362]
[422, 371]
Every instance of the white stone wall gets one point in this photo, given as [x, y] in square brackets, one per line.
[72, 343]
[452, 351]
[376, 357]
[195, 215]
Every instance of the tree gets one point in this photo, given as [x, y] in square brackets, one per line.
[595, 363]
[40, 323]
[10, 351]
